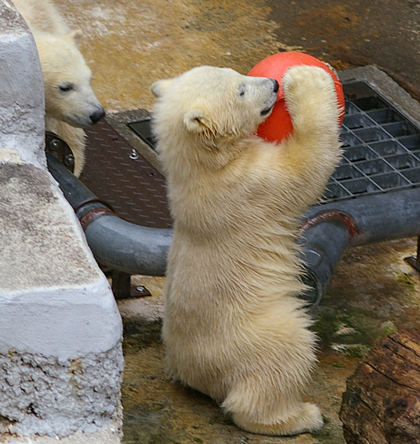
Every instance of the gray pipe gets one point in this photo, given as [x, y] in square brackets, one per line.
[332, 227]
[127, 247]
[328, 230]
[322, 247]
[115, 243]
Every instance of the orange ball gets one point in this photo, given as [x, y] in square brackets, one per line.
[279, 124]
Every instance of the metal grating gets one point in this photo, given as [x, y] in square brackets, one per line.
[382, 153]
[382, 147]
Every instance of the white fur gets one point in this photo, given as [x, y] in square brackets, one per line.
[234, 327]
[70, 103]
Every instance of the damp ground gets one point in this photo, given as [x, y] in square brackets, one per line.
[373, 293]
[131, 43]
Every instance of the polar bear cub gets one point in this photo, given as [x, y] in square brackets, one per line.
[70, 103]
[234, 327]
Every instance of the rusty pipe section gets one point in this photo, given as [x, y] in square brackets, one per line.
[330, 228]
[115, 243]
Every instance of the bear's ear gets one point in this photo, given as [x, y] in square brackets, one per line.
[75, 35]
[160, 87]
[197, 121]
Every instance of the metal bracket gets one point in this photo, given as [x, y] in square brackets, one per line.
[414, 261]
[122, 288]
[59, 149]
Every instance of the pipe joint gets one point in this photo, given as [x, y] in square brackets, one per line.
[334, 216]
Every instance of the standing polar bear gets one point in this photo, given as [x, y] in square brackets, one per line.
[70, 103]
[234, 327]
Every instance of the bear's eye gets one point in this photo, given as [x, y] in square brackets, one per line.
[66, 87]
[241, 90]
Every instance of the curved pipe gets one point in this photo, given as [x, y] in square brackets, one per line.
[328, 230]
[127, 247]
[332, 227]
[114, 242]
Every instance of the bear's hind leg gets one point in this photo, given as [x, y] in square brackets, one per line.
[269, 413]
[307, 418]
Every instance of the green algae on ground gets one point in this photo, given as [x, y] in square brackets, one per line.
[388, 327]
[405, 280]
[350, 332]
[140, 335]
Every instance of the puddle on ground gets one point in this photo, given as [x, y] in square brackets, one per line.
[355, 33]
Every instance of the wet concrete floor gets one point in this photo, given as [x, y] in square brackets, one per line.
[385, 33]
[131, 43]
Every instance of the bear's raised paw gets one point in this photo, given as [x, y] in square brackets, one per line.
[307, 80]
[311, 98]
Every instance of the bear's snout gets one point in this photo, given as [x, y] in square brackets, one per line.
[97, 115]
[276, 85]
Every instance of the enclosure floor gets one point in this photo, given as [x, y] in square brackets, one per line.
[131, 43]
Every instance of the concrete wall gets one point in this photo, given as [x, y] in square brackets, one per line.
[60, 332]
[22, 96]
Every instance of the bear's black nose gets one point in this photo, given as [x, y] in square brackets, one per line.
[276, 85]
[97, 115]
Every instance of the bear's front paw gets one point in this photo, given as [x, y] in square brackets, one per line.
[302, 82]
[311, 99]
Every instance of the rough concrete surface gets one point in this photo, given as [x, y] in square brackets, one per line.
[131, 43]
[350, 33]
[31, 207]
[59, 398]
[41, 241]
[22, 97]
[60, 332]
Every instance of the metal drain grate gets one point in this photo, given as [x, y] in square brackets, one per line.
[382, 147]
[382, 153]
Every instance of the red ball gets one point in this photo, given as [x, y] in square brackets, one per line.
[279, 124]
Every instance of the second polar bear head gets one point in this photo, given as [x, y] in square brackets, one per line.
[67, 80]
[212, 105]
